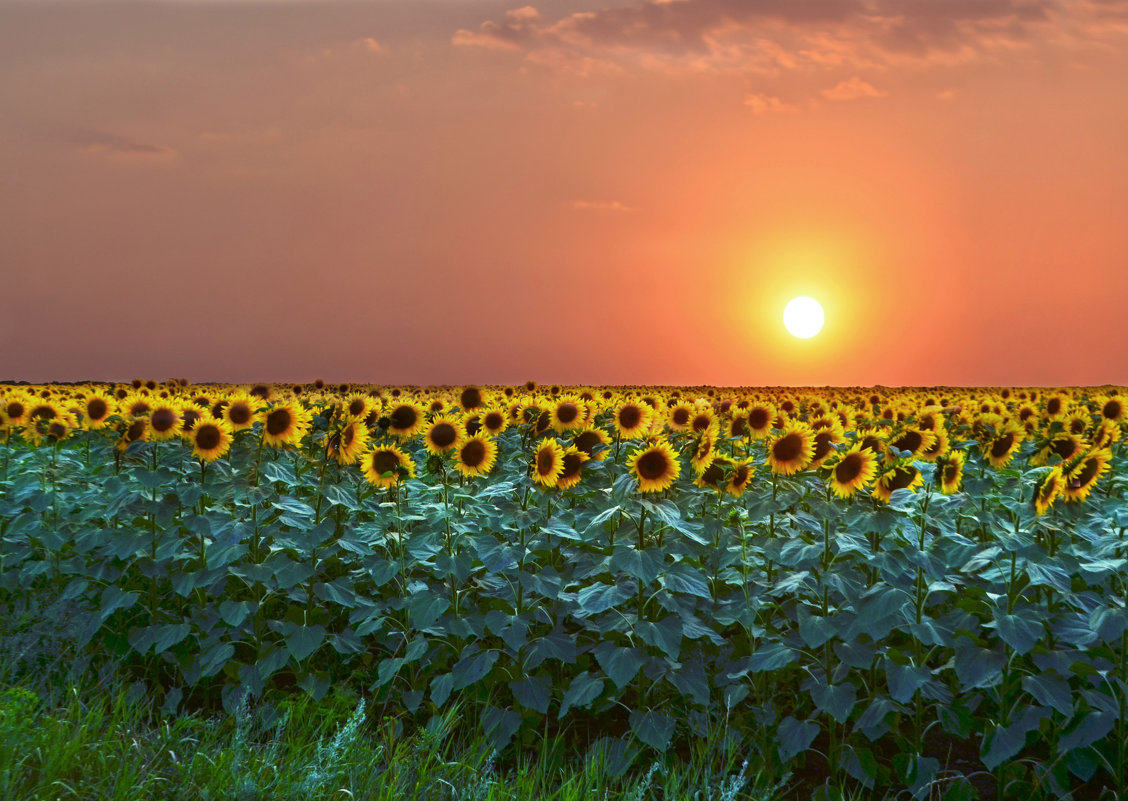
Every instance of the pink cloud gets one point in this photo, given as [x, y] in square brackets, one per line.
[852, 89]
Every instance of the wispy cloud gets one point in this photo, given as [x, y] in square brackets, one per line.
[761, 103]
[853, 89]
[602, 206]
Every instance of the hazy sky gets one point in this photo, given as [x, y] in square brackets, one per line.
[606, 191]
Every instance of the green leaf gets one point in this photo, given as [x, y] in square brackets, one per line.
[160, 638]
[680, 577]
[794, 736]
[772, 656]
[346, 642]
[653, 728]
[290, 574]
[1085, 731]
[665, 634]
[211, 661]
[905, 680]
[874, 722]
[1021, 630]
[500, 725]
[1050, 691]
[234, 613]
[584, 689]
[599, 597]
[532, 692]
[426, 609]
[472, 667]
[114, 599]
[977, 667]
[621, 664]
[815, 630]
[836, 700]
[1006, 741]
[304, 640]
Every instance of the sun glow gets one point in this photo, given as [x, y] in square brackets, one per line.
[803, 317]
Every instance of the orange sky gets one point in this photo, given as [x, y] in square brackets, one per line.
[607, 191]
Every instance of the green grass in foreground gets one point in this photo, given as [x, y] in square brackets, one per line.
[71, 729]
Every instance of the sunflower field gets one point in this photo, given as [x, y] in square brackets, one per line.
[915, 591]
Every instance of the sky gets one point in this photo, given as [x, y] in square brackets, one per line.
[591, 192]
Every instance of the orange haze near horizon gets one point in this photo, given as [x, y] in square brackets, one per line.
[596, 192]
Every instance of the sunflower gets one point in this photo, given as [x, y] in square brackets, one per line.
[164, 421]
[359, 405]
[951, 467]
[1048, 490]
[941, 442]
[677, 418]
[568, 413]
[760, 419]
[494, 421]
[443, 433]
[15, 410]
[704, 453]
[189, 416]
[210, 438]
[851, 470]
[1000, 448]
[715, 474]
[386, 466]
[285, 424]
[347, 439]
[895, 478]
[476, 456]
[792, 450]
[136, 405]
[737, 426]
[828, 433]
[548, 462]
[97, 408]
[740, 477]
[404, 418]
[1082, 474]
[591, 438]
[1066, 446]
[632, 420]
[574, 460]
[654, 467]
[242, 411]
[1105, 434]
[704, 421]
[136, 430]
[54, 427]
[914, 440]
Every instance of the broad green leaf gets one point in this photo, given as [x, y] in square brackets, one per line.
[304, 640]
[664, 634]
[113, 599]
[584, 689]
[234, 613]
[1005, 742]
[905, 680]
[500, 725]
[1021, 630]
[532, 692]
[771, 656]
[794, 736]
[836, 700]
[1085, 731]
[472, 667]
[620, 664]
[653, 728]
[1050, 691]
[599, 597]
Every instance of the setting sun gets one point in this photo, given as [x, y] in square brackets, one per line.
[803, 317]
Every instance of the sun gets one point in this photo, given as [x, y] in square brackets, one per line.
[803, 317]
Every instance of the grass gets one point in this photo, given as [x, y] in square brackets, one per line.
[71, 728]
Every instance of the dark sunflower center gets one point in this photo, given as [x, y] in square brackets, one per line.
[135, 431]
[546, 461]
[239, 413]
[653, 464]
[572, 464]
[822, 444]
[163, 420]
[909, 441]
[713, 474]
[681, 416]
[1053, 405]
[493, 421]
[384, 462]
[43, 412]
[278, 422]
[57, 430]
[700, 423]
[741, 475]
[404, 417]
[191, 416]
[356, 407]
[567, 412]
[849, 468]
[473, 426]
[444, 435]
[1001, 446]
[1112, 410]
[902, 478]
[348, 435]
[208, 436]
[1088, 472]
[471, 398]
[15, 409]
[96, 409]
[1077, 426]
[1024, 414]
[951, 473]
[260, 390]
[1046, 491]
[473, 453]
[630, 416]
[587, 441]
[1064, 447]
[788, 448]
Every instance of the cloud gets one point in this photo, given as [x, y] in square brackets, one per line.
[602, 206]
[852, 89]
[773, 35]
[767, 104]
[110, 146]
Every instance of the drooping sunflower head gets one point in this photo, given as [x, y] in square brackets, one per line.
[442, 434]
[1063, 446]
[941, 442]
[548, 463]
[475, 455]
[740, 477]
[1001, 447]
[792, 449]
[1048, 490]
[950, 470]
[573, 470]
[895, 478]
[135, 430]
[386, 466]
[1082, 474]
[594, 442]
[914, 440]
[828, 433]
[851, 470]
[715, 475]
[211, 438]
[704, 452]
[285, 423]
[736, 427]
[347, 439]
[655, 467]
